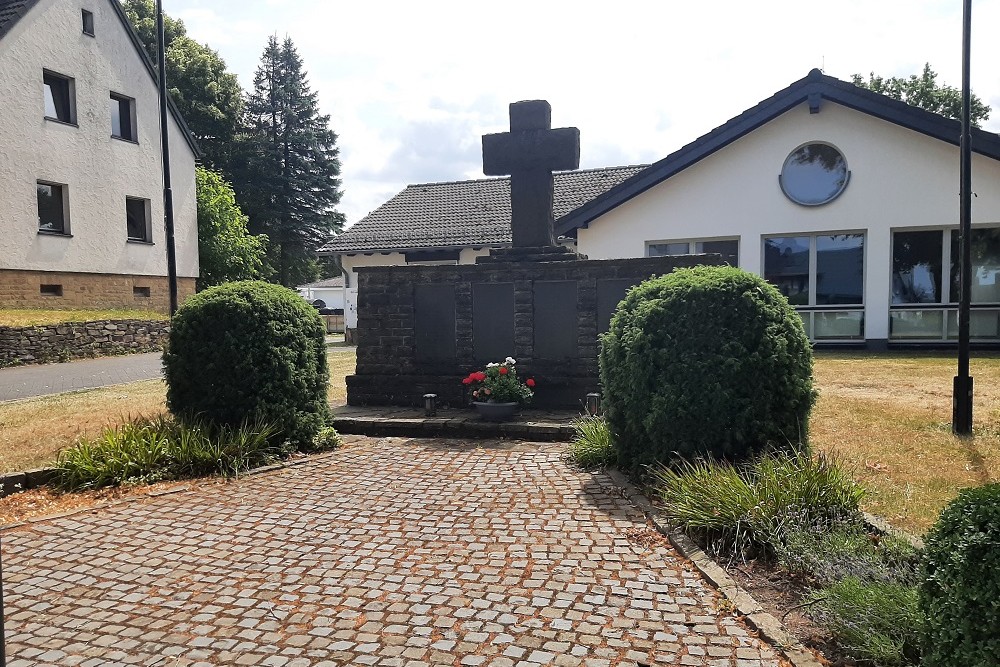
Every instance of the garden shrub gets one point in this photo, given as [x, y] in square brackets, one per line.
[705, 361]
[249, 350]
[873, 623]
[961, 587]
[751, 506]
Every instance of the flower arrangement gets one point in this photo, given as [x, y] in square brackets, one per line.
[499, 384]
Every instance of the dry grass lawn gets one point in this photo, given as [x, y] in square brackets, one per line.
[33, 431]
[37, 317]
[888, 418]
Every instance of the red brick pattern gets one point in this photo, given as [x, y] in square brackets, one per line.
[387, 552]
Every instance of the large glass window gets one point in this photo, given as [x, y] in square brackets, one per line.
[840, 269]
[786, 266]
[728, 248]
[985, 266]
[916, 267]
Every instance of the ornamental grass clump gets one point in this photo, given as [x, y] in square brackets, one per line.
[710, 361]
[592, 446]
[499, 384]
[249, 351]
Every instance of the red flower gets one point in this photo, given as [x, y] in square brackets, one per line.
[503, 370]
[478, 376]
[530, 382]
[467, 381]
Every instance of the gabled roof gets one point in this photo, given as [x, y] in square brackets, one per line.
[336, 281]
[812, 89]
[464, 213]
[11, 11]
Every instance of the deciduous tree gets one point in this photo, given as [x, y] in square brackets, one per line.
[925, 92]
[226, 249]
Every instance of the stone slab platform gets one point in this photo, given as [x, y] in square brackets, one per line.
[386, 552]
[529, 424]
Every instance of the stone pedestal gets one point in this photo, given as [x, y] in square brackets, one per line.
[421, 329]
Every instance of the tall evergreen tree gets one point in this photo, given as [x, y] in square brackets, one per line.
[291, 185]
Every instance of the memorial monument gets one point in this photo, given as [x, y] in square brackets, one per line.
[421, 329]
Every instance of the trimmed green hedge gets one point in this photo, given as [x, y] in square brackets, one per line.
[705, 361]
[249, 350]
[960, 594]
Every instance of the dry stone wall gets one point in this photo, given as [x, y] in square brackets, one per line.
[74, 340]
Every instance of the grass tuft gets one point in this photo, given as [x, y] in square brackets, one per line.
[750, 507]
[148, 450]
[592, 445]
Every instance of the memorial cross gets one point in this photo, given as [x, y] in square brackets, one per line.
[529, 153]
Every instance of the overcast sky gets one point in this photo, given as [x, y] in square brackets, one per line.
[411, 86]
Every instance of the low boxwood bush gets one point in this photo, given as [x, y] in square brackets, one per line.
[873, 623]
[249, 350]
[751, 506]
[591, 446]
[144, 451]
[705, 361]
[960, 594]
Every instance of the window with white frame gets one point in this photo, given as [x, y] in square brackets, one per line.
[728, 248]
[926, 284]
[53, 208]
[823, 276]
[60, 93]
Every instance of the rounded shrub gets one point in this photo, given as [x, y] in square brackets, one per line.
[708, 361]
[249, 350]
[961, 588]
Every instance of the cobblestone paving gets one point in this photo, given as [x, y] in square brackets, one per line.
[386, 552]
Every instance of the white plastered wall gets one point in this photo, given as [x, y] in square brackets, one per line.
[98, 170]
[899, 178]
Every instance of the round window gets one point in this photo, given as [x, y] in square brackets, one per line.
[814, 174]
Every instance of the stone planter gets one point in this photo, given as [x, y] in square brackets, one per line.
[495, 412]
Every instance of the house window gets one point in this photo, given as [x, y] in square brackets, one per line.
[52, 208]
[122, 117]
[823, 276]
[137, 220]
[926, 284]
[50, 290]
[728, 248]
[141, 292]
[88, 23]
[59, 103]
[814, 174]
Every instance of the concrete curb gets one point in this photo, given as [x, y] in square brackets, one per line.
[769, 627]
[15, 482]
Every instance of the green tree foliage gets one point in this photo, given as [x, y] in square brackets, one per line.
[248, 351]
[208, 96]
[226, 250]
[291, 181]
[709, 361]
[925, 92]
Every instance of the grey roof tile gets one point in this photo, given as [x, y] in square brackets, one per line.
[11, 11]
[464, 213]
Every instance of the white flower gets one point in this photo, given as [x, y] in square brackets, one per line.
[510, 361]
[492, 364]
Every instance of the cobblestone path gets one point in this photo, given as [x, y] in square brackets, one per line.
[386, 552]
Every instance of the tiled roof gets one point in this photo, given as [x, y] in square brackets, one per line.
[11, 11]
[337, 281]
[464, 213]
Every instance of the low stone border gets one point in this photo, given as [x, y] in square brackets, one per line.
[15, 482]
[769, 627]
[75, 340]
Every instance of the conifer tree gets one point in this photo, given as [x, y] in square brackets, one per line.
[292, 181]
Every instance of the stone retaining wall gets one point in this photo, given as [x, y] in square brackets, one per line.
[74, 340]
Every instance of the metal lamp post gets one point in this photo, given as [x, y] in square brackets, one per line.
[168, 196]
[962, 397]
[3, 618]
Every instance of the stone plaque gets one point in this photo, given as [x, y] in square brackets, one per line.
[609, 293]
[492, 321]
[434, 322]
[555, 319]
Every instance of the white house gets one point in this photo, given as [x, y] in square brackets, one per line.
[845, 199]
[329, 290]
[81, 190]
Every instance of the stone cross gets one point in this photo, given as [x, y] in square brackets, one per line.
[529, 153]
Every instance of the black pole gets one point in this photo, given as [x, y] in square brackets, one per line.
[962, 401]
[168, 195]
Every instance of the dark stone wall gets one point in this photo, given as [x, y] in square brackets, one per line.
[75, 340]
[404, 354]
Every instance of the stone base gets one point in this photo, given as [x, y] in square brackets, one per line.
[24, 289]
[539, 254]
